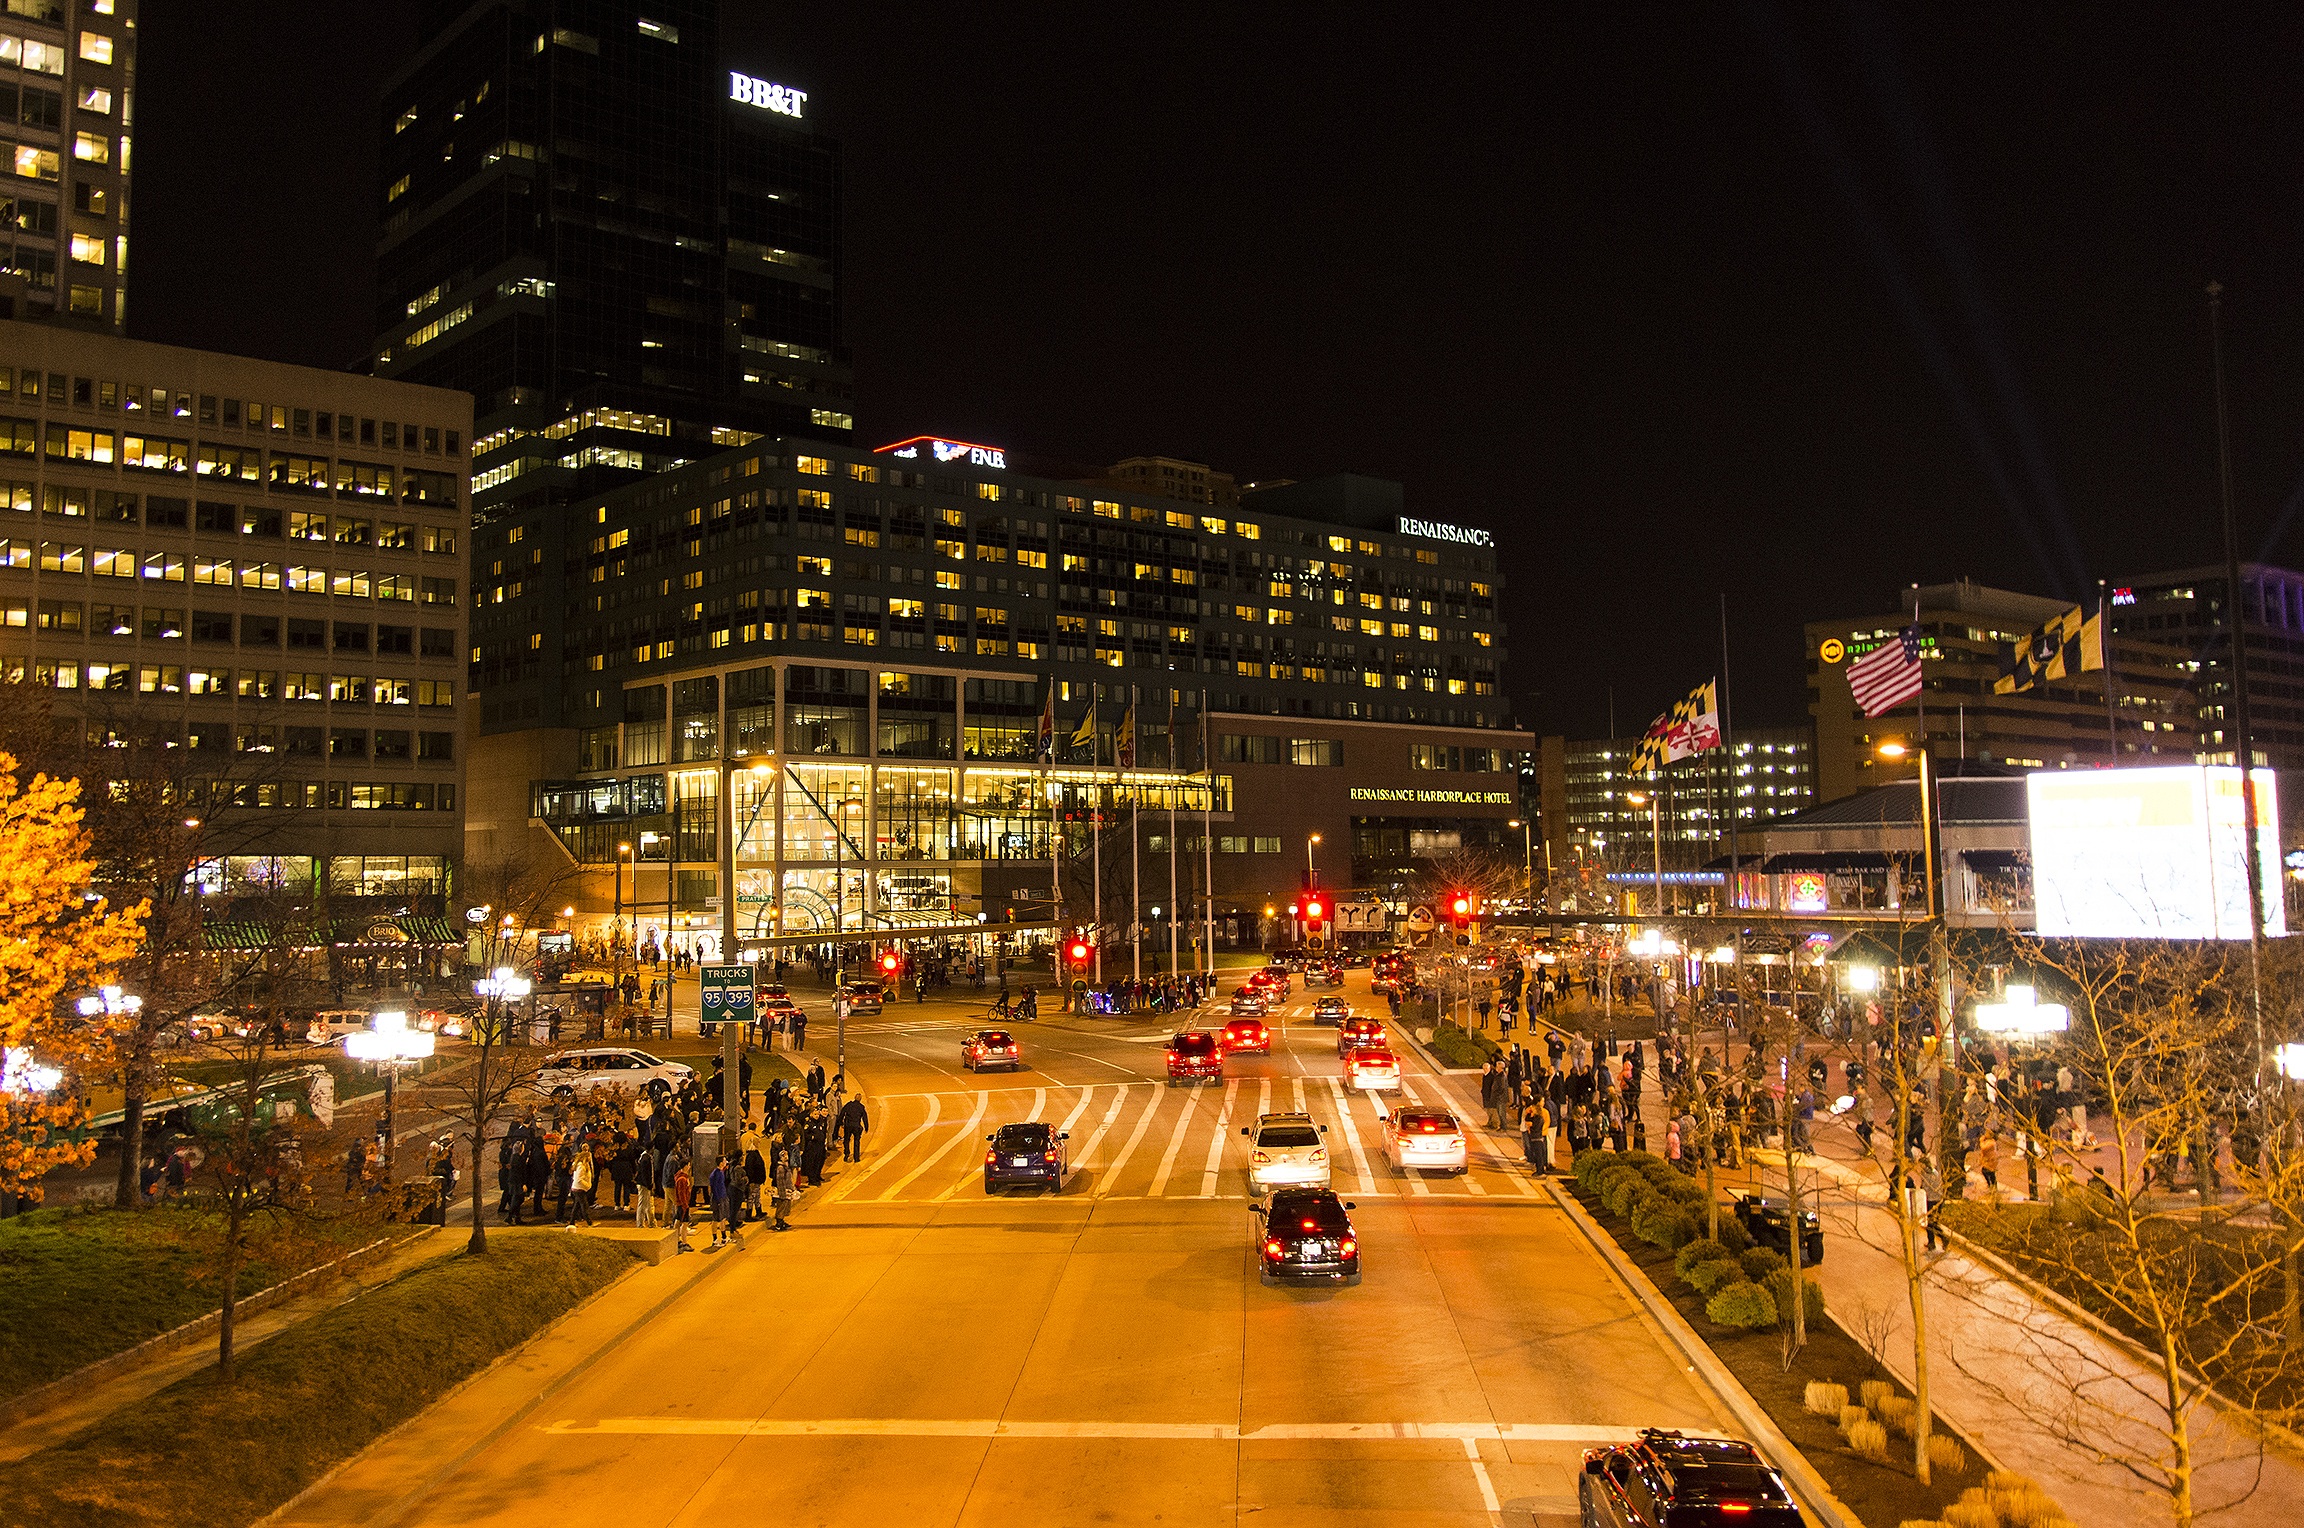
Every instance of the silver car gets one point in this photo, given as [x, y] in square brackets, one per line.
[1286, 1151]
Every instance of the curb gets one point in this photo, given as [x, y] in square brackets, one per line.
[1815, 1496]
[399, 1508]
[30, 1404]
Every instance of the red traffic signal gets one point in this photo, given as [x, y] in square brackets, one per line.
[1314, 911]
[1079, 952]
[889, 961]
[1460, 908]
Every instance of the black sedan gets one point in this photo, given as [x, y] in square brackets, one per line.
[1763, 1221]
[1304, 1235]
[1032, 1152]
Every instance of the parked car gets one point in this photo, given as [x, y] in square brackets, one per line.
[1763, 1220]
[571, 1074]
[330, 1025]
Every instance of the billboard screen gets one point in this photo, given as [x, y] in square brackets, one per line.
[2150, 853]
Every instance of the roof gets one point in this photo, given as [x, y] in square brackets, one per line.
[1965, 799]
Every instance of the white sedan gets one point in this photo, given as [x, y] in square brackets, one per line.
[570, 1073]
[1432, 1138]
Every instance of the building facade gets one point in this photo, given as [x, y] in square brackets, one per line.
[67, 92]
[1965, 629]
[2182, 613]
[261, 563]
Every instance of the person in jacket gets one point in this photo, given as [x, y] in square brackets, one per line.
[755, 1174]
[683, 1192]
[580, 1181]
[645, 1170]
[853, 1122]
[786, 1186]
[718, 1184]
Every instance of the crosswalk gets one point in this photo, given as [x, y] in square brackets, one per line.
[1146, 1140]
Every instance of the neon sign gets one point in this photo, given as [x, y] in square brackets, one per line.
[1434, 530]
[938, 449]
[781, 99]
[2123, 596]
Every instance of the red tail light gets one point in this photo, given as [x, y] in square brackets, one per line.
[991, 1157]
[1272, 1250]
[1735, 1506]
[1349, 1247]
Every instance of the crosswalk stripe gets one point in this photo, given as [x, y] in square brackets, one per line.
[849, 1182]
[1078, 1109]
[1215, 1163]
[1105, 1181]
[1175, 1144]
[1119, 1102]
[1039, 1102]
[1264, 1096]
[1298, 1084]
[965, 1132]
[1343, 1103]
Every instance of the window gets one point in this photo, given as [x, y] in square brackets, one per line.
[95, 47]
[399, 189]
[92, 148]
[33, 163]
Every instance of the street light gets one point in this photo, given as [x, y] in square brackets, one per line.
[389, 1043]
[2288, 1061]
[1527, 861]
[1655, 807]
[111, 1002]
[2021, 1013]
[1311, 875]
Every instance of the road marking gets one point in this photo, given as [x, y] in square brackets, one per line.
[1099, 1060]
[1039, 1102]
[965, 1132]
[848, 1182]
[1119, 1101]
[1298, 1084]
[1176, 1144]
[1216, 1138]
[1143, 1123]
[1470, 1433]
[1264, 1096]
[1368, 1184]
[1077, 1109]
[1487, 1486]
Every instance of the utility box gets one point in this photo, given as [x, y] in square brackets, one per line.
[704, 1149]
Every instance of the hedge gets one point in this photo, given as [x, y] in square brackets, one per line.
[1759, 1262]
[1706, 1278]
[1779, 1287]
[1742, 1304]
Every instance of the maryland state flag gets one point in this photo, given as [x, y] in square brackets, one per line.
[1045, 745]
[2072, 643]
[1124, 741]
[1688, 728]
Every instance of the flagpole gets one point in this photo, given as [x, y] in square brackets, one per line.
[1135, 846]
[1055, 837]
[2104, 640]
[1175, 913]
[1208, 841]
[1096, 835]
[1920, 645]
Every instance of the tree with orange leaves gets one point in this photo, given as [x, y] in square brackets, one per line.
[55, 943]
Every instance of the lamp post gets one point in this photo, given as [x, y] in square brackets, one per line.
[1311, 874]
[731, 1036]
[1655, 805]
[1951, 1149]
[616, 924]
[390, 1043]
[1527, 861]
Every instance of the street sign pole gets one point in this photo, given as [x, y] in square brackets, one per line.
[725, 996]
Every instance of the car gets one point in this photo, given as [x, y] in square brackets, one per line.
[203, 1028]
[1194, 1056]
[774, 989]
[1247, 1034]
[1279, 977]
[1666, 1477]
[1262, 985]
[331, 1025]
[571, 1074]
[1249, 1005]
[989, 1048]
[1331, 1010]
[1763, 1221]
[1286, 1151]
[1030, 1152]
[1425, 1138]
[1372, 1068]
[1324, 974]
[1359, 1032]
[1306, 1234]
[861, 997]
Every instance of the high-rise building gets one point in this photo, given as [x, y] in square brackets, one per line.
[624, 245]
[258, 568]
[67, 75]
[1170, 477]
[2183, 612]
[1588, 819]
[1966, 631]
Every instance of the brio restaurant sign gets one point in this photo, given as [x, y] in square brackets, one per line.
[1434, 530]
[781, 99]
[1433, 797]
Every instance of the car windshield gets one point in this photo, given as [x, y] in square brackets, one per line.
[1424, 1122]
[1307, 1212]
[1279, 1136]
[1032, 1136]
[644, 1058]
[994, 1037]
[1196, 1044]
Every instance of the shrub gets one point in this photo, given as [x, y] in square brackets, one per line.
[1779, 1287]
[1869, 1439]
[1734, 1237]
[1874, 1391]
[1665, 1225]
[1970, 1514]
[1742, 1304]
[1921, 1522]
[1824, 1398]
[1759, 1262]
[1590, 1165]
[1899, 1415]
[1622, 1191]
[1851, 1415]
[1705, 1278]
[2019, 1502]
[1641, 1159]
[1702, 1250]
[1945, 1454]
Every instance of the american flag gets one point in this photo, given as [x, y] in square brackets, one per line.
[1889, 675]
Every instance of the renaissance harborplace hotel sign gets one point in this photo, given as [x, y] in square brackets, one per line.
[1432, 797]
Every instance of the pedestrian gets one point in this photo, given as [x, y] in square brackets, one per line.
[716, 1186]
[1931, 1192]
[1672, 1143]
[1535, 1135]
[355, 1163]
[1988, 1163]
[644, 1116]
[580, 1181]
[683, 1194]
[853, 1122]
[799, 1029]
[644, 1172]
[785, 1187]
[755, 1173]
[741, 1190]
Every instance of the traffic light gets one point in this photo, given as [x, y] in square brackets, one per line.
[1315, 911]
[1079, 951]
[1460, 910]
[1294, 911]
[890, 961]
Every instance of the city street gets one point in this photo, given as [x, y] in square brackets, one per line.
[914, 1353]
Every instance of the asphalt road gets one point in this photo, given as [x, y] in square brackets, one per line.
[914, 1353]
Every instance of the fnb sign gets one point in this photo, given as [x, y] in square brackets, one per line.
[780, 99]
[939, 449]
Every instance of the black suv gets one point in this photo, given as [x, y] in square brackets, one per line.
[1304, 1233]
[1670, 1480]
[1763, 1221]
[1032, 1152]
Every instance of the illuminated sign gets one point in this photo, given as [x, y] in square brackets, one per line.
[1832, 650]
[1805, 892]
[1433, 797]
[2123, 596]
[780, 99]
[935, 448]
[1434, 530]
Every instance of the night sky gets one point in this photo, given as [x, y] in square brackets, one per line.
[1794, 304]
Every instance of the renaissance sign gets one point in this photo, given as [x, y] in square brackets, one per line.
[1432, 797]
[1435, 530]
[781, 99]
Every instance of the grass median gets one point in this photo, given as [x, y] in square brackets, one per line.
[204, 1452]
[83, 1284]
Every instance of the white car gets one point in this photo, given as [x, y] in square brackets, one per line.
[1372, 1068]
[331, 1025]
[569, 1074]
[1416, 1138]
[1286, 1151]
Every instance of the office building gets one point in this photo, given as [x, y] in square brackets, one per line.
[1168, 477]
[1966, 629]
[67, 79]
[888, 621]
[2182, 613]
[262, 564]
